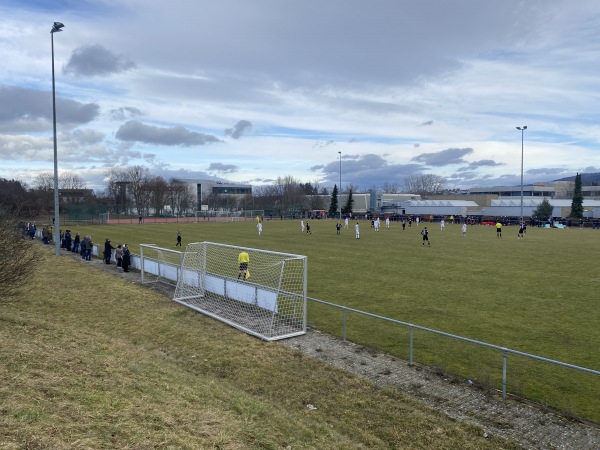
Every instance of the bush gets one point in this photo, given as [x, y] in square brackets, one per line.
[19, 258]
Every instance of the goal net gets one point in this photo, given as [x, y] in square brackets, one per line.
[159, 264]
[265, 297]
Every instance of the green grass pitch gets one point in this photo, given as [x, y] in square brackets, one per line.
[538, 294]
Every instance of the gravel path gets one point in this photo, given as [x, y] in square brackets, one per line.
[530, 425]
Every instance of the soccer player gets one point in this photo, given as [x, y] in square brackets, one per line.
[243, 260]
[357, 231]
[403, 224]
[376, 224]
[308, 228]
[338, 227]
[302, 226]
[520, 234]
[178, 239]
[346, 223]
[425, 235]
[442, 225]
[259, 226]
[464, 229]
[498, 229]
[387, 222]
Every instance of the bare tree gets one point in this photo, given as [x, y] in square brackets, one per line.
[424, 184]
[14, 197]
[20, 264]
[390, 187]
[137, 177]
[44, 182]
[116, 189]
[180, 197]
[290, 194]
[70, 180]
[66, 180]
[159, 190]
[350, 187]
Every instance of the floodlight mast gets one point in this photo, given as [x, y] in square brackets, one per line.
[56, 27]
[340, 189]
[522, 130]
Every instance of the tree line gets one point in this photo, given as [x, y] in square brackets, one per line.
[134, 190]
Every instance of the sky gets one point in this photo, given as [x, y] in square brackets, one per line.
[248, 91]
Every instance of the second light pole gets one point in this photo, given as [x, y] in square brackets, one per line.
[522, 129]
[340, 202]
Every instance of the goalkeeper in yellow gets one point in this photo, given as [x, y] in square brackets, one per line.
[243, 260]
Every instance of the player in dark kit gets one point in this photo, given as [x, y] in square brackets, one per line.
[425, 235]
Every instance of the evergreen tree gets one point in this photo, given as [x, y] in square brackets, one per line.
[348, 208]
[333, 206]
[544, 210]
[577, 203]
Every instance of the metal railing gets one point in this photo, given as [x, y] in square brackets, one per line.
[505, 351]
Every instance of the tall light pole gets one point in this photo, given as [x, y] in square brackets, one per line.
[340, 189]
[55, 29]
[522, 129]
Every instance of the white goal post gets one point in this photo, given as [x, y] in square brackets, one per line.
[265, 298]
[159, 264]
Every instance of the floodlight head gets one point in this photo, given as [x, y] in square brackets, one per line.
[524, 127]
[56, 27]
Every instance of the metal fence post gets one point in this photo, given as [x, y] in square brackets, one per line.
[503, 373]
[344, 324]
[410, 347]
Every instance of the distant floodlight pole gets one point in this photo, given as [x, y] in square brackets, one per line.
[522, 129]
[55, 29]
[340, 200]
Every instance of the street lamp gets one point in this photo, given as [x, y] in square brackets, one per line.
[340, 202]
[55, 29]
[522, 129]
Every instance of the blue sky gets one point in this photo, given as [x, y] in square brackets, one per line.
[251, 91]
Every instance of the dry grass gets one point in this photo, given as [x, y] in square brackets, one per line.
[92, 361]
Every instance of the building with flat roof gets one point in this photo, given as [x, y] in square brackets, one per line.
[209, 193]
[549, 189]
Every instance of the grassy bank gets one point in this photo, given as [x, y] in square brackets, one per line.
[91, 361]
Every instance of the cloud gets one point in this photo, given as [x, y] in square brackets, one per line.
[367, 171]
[485, 162]
[222, 168]
[95, 60]
[125, 112]
[135, 131]
[317, 167]
[26, 109]
[428, 123]
[546, 171]
[238, 129]
[88, 136]
[323, 144]
[444, 157]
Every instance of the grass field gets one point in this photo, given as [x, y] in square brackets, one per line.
[99, 362]
[537, 295]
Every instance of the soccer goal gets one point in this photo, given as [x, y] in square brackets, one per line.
[265, 297]
[159, 265]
